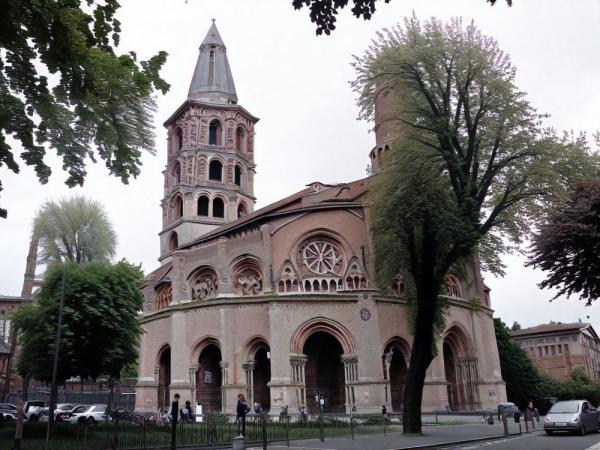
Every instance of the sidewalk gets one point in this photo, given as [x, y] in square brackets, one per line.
[432, 436]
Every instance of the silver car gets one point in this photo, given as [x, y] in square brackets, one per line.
[572, 415]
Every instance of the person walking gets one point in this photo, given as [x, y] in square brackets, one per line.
[242, 409]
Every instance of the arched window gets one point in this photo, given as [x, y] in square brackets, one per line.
[218, 207]
[215, 170]
[238, 175]
[178, 139]
[173, 242]
[242, 210]
[203, 205]
[240, 136]
[214, 133]
[178, 207]
[453, 287]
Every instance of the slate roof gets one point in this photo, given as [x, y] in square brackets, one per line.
[212, 81]
[315, 196]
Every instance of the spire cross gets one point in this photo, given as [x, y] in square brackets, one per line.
[213, 20]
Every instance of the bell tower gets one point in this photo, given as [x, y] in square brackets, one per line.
[209, 176]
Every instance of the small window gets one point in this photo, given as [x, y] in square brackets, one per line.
[178, 208]
[215, 170]
[240, 136]
[173, 242]
[238, 175]
[203, 205]
[214, 133]
[218, 208]
[211, 68]
[242, 210]
[178, 139]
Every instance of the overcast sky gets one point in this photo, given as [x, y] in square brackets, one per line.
[297, 84]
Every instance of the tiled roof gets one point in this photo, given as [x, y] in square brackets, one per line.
[315, 196]
[550, 328]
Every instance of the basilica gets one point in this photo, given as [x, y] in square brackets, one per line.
[280, 303]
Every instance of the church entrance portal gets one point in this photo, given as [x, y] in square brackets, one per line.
[208, 384]
[261, 376]
[324, 372]
[461, 372]
[164, 377]
[397, 374]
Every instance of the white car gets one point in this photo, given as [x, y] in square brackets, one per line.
[89, 414]
[33, 409]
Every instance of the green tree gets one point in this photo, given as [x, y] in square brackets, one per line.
[567, 246]
[515, 326]
[92, 98]
[490, 168]
[100, 331]
[323, 12]
[75, 229]
[521, 376]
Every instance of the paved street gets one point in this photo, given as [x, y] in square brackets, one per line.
[539, 440]
[432, 435]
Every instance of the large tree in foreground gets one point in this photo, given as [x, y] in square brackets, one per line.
[567, 246]
[76, 229]
[468, 136]
[95, 103]
[100, 331]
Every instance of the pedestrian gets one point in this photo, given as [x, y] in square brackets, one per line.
[322, 403]
[257, 408]
[175, 409]
[303, 417]
[242, 409]
[384, 411]
[189, 413]
[531, 413]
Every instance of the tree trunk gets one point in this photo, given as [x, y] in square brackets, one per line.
[420, 359]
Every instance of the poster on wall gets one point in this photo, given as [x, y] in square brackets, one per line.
[208, 377]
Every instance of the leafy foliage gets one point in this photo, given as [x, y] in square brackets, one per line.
[578, 386]
[518, 371]
[568, 245]
[62, 84]
[100, 331]
[323, 12]
[475, 169]
[75, 229]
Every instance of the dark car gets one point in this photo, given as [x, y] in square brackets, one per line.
[572, 415]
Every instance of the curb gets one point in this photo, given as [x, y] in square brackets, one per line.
[453, 443]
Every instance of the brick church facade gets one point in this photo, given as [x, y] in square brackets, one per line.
[280, 303]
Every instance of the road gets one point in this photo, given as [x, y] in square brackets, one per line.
[539, 440]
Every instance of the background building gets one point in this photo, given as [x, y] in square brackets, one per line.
[280, 303]
[557, 348]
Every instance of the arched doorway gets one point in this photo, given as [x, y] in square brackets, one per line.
[460, 366]
[261, 376]
[208, 382]
[396, 354]
[324, 372]
[164, 377]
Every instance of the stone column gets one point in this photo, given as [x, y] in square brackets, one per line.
[248, 367]
[224, 382]
[180, 376]
[193, 373]
[298, 378]
[350, 377]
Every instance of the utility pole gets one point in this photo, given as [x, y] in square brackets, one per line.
[52, 404]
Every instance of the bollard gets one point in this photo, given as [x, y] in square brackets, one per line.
[321, 435]
[505, 422]
[351, 426]
[239, 443]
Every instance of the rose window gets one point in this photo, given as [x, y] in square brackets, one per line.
[322, 257]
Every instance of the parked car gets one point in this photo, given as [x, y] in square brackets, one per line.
[33, 409]
[572, 415]
[507, 407]
[8, 412]
[90, 414]
[59, 412]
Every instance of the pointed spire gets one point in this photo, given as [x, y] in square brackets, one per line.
[212, 80]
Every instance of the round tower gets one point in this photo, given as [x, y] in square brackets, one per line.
[209, 176]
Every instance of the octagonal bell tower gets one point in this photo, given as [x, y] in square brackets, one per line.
[209, 176]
